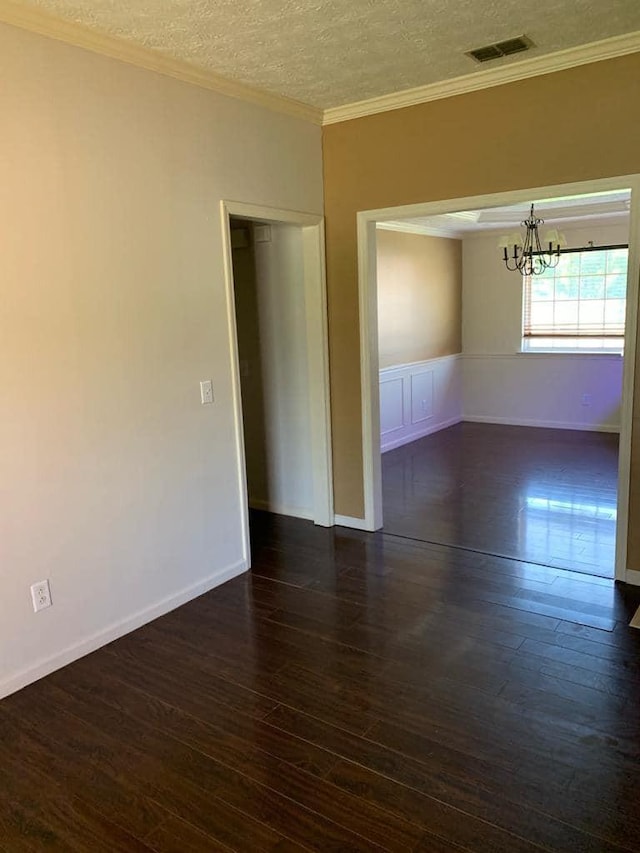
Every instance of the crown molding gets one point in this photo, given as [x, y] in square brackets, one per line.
[583, 55]
[569, 226]
[489, 230]
[414, 228]
[586, 210]
[37, 21]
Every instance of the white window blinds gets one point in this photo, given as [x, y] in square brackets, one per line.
[584, 296]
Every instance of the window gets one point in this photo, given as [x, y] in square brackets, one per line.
[578, 305]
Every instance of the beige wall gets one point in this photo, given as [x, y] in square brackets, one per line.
[419, 297]
[461, 146]
[115, 482]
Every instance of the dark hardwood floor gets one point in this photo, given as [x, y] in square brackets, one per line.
[353, 692]
[542, 495]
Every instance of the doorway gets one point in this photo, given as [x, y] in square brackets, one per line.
[373, 391]
[276, 301]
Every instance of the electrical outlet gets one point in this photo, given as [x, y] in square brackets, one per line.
[206, 392]
[586, 399]
[41, 595]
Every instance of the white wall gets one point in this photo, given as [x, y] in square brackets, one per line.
[503, 386]
[116, 483]
[275, 384]
[544, 390]
[418, 399]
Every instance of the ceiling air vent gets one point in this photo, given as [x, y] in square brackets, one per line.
[501, 48]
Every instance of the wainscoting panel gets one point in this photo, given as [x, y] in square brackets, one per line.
[391, 404]
[418, 399]
[421, 396]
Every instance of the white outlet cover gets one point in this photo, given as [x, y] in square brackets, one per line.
[206, 392]
[41, 595]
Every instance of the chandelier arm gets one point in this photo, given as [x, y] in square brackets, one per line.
[532, 258]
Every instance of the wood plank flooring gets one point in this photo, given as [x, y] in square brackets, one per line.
[548, 496]
[354, 692]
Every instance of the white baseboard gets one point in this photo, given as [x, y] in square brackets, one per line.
[355, 523]
[532, 422]
[281, 509]
[118, 629]
[632, 577]
[414, 436]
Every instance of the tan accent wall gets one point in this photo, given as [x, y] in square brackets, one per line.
[573, 125]
[419, 297]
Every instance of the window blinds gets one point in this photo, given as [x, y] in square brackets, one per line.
[584, 296]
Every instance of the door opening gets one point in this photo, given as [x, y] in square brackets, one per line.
[277, 310]
[481, 373]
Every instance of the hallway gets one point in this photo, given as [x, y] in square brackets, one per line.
[538, 495]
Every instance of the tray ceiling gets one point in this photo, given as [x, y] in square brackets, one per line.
[568, 210]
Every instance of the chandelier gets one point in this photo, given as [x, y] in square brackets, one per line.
[527, 255]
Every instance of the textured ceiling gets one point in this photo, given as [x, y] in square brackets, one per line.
[336, 52]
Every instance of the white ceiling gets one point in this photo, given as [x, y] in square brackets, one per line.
[328, 53]
[564, 211]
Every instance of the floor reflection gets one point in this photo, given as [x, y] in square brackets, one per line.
[571, 531]
[540, 495]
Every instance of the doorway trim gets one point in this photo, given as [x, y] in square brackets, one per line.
[368, 304]
[315, 295]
